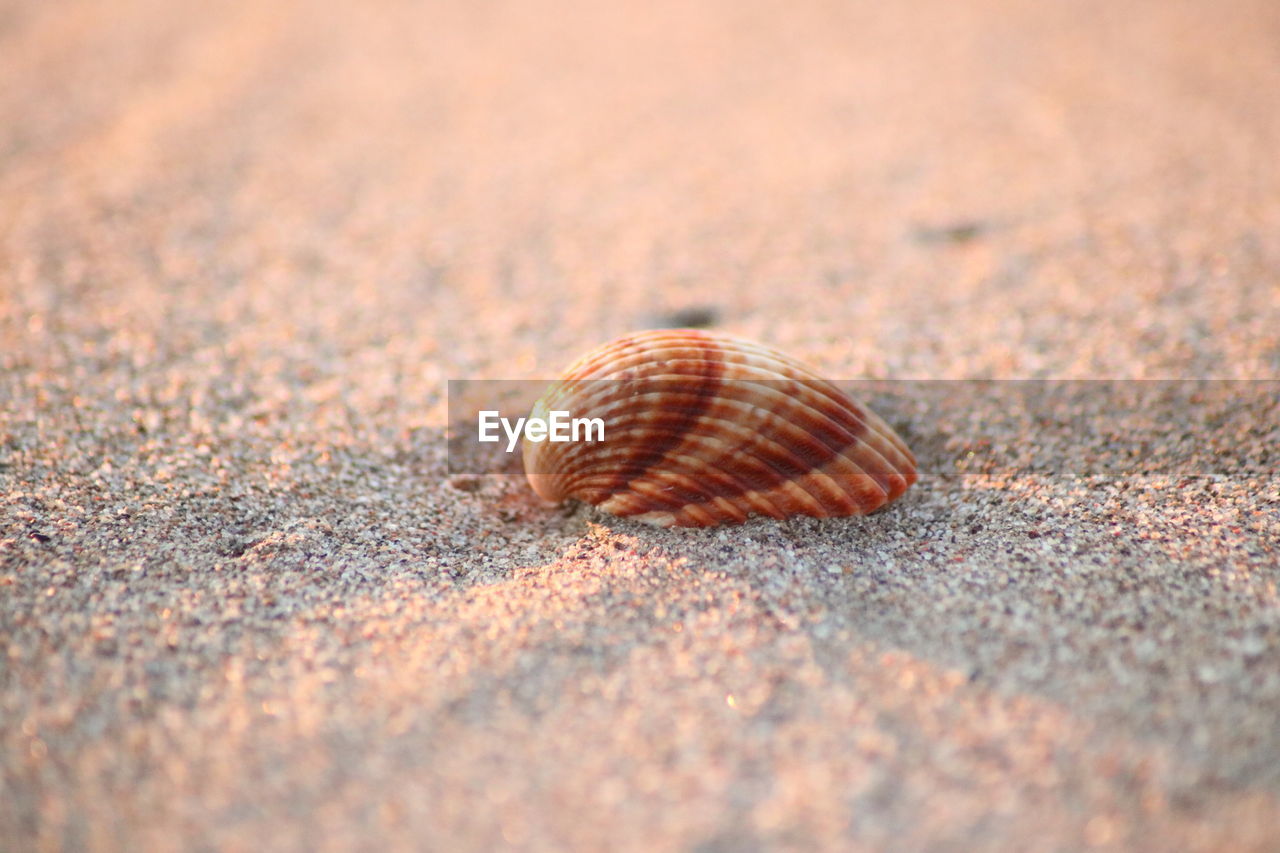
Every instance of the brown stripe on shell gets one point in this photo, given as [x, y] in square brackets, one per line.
[705, 429]
[701, 381]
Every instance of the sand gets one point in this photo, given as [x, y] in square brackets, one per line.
[244, 603]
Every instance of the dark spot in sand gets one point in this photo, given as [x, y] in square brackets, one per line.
[465, 483]
[961, 231]
[693, 317]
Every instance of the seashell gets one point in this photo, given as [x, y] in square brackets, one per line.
[704, 428]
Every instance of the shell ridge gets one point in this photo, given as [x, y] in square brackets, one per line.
[739, 489]
[781, 457]
[775, 462]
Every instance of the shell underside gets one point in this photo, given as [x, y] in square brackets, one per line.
[704, 429]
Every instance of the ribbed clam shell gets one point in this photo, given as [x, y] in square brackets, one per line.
[704, 429]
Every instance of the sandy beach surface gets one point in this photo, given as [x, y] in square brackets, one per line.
[245, 603]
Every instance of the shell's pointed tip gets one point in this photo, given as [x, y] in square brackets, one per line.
[543, 486]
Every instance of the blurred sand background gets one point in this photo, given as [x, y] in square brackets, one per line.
[243, 604]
